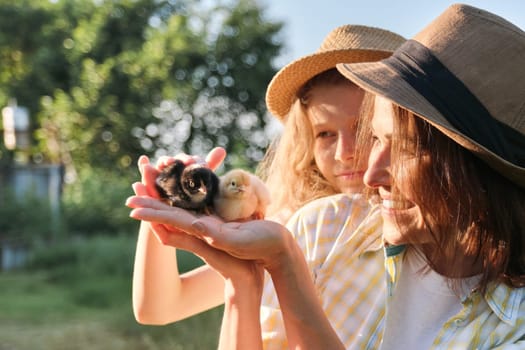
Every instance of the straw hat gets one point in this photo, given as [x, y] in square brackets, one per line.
[465, 74]
[349, 43]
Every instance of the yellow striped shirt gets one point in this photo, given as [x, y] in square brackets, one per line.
[495, 320]
[341, 239]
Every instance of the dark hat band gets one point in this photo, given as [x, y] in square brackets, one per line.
[417, 66]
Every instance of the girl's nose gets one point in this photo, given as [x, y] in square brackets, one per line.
[345, 147]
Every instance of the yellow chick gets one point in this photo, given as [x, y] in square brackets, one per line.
[242, 196]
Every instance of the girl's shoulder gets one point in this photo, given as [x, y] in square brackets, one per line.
[336, 204]
[334, 213]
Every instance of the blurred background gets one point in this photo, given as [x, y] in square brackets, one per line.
[86, 87]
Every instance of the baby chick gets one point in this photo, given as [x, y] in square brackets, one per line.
[188, 186]
[241, 196]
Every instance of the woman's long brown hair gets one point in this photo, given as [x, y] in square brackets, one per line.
[469, 207]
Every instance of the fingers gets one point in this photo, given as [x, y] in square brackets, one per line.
[164, 161]
[215, 157]
[148, 202]
[170, 236]
[161, 213]
[143, 161]
[224, 236]
[225, 264]
[139, 189]
[149, 176]
[187, 242]
[150, 209]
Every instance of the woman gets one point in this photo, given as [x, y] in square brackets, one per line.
[448, 162]
[319, 108]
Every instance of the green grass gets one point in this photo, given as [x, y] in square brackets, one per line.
[84, 308]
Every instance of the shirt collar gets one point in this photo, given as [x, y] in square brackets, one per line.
[374, 238]
[506, 302]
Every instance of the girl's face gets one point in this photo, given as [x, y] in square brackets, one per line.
[402, 218]
[333, 113]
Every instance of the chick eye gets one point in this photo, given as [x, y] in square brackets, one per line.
[191, 184]
[232, 183]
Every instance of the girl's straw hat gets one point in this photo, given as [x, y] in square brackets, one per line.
[349, 43]
[465, 74]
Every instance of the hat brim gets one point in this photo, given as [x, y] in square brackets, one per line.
[380, 79]
[284, 86]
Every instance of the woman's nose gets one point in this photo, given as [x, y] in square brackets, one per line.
[378, 171]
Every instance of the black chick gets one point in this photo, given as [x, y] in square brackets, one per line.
[189, 187]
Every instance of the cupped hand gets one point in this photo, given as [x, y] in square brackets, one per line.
[232, 268]
[266, 242]
[168, 233]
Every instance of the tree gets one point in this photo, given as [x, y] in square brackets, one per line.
[106, 80]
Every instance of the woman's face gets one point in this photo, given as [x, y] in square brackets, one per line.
[402, 219]
[333, 112]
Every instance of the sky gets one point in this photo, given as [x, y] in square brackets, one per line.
[307, 22]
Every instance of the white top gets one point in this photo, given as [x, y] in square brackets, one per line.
[421, 303]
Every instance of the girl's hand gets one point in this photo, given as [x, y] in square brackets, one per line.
[150, 172]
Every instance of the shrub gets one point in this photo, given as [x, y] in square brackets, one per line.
[95, 204]
[26, 219]
[96, 271]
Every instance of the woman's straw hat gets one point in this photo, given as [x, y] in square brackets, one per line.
[349, 43]
[465, 74]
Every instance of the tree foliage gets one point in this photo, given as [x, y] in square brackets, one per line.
[106, 81]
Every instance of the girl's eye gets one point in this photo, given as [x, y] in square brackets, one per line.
[324, 134]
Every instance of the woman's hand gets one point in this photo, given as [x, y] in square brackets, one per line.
[263, 241]
[239, 250]
[225, 264]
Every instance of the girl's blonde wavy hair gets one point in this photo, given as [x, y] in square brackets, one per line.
[289, 167]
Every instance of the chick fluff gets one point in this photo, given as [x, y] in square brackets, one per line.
[188, 186]
[241, 196]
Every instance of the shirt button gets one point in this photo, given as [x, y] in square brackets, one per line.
[458, 322]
